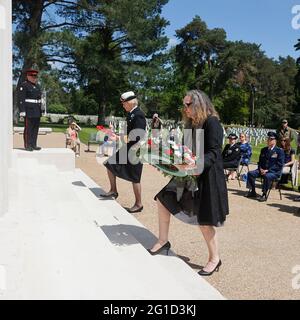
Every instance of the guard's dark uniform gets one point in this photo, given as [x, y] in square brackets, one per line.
[29, 101]
[122, 168]
[231, 156]
[271, 160]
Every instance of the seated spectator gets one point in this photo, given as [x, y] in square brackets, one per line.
[246, 150]
[231, 155]
[270, 164]
[73, 137]
[289, 159]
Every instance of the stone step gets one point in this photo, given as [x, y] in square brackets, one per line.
[186, 276]
[61, 253]
[63, 159]
[65, 243]
[131, 251]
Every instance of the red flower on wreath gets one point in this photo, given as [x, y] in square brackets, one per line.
[169, 152]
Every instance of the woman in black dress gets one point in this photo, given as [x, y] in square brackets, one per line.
[208, 203]
[119, 164]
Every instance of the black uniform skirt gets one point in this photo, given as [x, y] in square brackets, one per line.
[128, 171]
[189, 208]
[185, 208]
[230, 164]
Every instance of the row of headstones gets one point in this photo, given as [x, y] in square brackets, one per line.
[254, 136]
[120, 123]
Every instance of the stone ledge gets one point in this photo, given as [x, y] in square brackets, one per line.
[63, 159]
[20, 130]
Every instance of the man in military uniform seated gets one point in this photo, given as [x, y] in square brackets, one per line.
[231, 154]
[270, 164]
[30, 107]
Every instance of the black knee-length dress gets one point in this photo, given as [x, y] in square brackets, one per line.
[119, 163]
[208, 205]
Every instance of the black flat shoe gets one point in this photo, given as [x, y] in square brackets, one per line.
[251, 194]
[165, 247]
[37, 148]
[136, 210]
[205, 273]
[262, 198]
[29, 149]
[110, 195]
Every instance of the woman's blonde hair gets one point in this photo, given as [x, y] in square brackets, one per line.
[202, 108]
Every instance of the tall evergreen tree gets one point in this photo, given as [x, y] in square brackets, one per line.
[122, 34]
[197, 53]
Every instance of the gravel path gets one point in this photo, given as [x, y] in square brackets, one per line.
[259, 245]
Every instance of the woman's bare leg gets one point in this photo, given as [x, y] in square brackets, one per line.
[210, 236]
[164, 223]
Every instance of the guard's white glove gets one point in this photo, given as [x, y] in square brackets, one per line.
[22, 114]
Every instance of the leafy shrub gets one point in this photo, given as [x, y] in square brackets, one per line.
[57, 108]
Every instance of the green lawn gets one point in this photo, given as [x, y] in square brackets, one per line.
[83, 134]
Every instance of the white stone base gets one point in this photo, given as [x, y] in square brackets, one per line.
[63, 159]
[59, 241]
[20, 130]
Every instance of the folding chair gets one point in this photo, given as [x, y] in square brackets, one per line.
[92, 140]
[275, 184]
[236, 170]
[242, 167]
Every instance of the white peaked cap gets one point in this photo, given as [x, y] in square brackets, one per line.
[126, 96]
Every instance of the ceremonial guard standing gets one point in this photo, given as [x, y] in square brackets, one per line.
[116, 166]
[30, 107]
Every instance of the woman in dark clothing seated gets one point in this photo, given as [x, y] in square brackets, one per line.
[289, 159]
[231, 154]
[207, 202]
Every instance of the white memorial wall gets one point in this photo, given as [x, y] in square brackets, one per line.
[5, 100]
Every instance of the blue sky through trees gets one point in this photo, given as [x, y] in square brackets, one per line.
[265, 22]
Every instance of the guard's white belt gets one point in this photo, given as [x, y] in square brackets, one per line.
[33, 101]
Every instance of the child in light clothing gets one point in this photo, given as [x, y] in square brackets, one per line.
[73, 137]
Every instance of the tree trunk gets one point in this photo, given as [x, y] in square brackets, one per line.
[101, 113]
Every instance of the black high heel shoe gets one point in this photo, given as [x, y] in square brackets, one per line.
[110, 195]
[166, 247]
[205, 273]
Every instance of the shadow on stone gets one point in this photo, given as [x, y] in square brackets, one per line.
[126, 235]
[187, 261]
[97, 191]
[78, 184]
